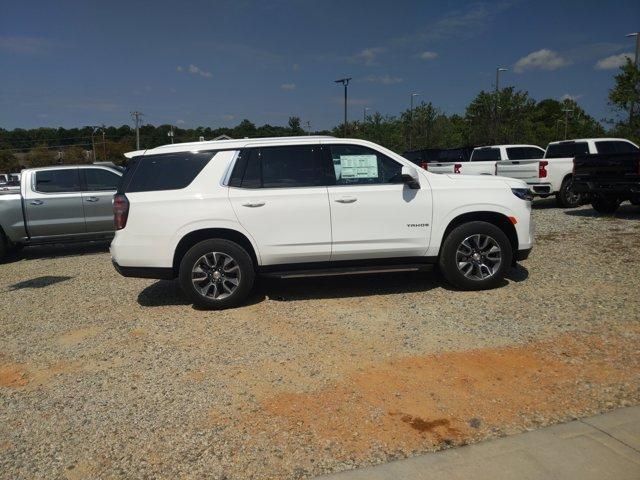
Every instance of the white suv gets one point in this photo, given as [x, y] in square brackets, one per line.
[215, 214]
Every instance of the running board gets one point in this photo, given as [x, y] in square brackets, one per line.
[332, 272]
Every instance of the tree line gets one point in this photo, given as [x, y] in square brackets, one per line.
[507, 116]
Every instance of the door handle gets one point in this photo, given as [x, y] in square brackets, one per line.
[346, 199]
[36, 202]
[92, 199]
[253, 204]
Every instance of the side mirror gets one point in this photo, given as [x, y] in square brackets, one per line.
[410, 178]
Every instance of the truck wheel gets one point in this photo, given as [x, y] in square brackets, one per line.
[216, 274]
[566, 197]
[603, 204]
[475, 256]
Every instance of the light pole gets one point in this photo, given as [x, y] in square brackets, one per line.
[411, 119]
[566, 120]
[497, 122]
[345, 82]
[104, 145]
[94, 129]
[635, 63]
[170, 133]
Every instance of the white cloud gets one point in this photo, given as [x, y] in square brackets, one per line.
[614, 61]
[228, 117]
[568, 96]
[383, 79]
[194, 70]
[428, 55]
[287, 87]
[180, 122]
[26, 45]
[295, 67]
[367, 57]
[544, 59]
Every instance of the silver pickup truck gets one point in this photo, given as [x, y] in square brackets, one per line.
[59, 204]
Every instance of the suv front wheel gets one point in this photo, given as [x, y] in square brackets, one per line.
[216, 274]
[475, 256]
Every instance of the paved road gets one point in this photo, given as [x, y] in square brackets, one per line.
[602, 447]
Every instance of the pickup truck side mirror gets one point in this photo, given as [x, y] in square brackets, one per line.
[410, 178]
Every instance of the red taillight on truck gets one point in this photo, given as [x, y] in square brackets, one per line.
[120, 211]
[542, 168]
[424, 165]
[456, 167]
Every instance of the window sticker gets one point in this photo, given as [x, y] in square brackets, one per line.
[358, 166]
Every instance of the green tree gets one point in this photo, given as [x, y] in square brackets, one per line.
[41, 156]
[8, 162]
[294, 126]
[76, 156]
[624, 98]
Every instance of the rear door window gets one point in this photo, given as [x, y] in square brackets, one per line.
[166, 171]
[58, 181]
[524, 153]
[98, 179]
[615, 146]
[566, 149]
[485, 154]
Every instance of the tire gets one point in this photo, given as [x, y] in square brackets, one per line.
[4, 248]
[603, 204]
[226, 279]
[464, 238]
[566, 198]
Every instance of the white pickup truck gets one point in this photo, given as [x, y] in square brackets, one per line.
[553, 174]
[483, 159]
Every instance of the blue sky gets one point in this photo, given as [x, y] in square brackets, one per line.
[192, 63]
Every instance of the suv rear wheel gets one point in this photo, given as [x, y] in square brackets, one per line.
[475, 256]
[216, 274]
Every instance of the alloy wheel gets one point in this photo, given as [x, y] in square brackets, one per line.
[216, 275]
[479, 257]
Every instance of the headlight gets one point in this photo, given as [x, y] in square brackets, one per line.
[523, 193]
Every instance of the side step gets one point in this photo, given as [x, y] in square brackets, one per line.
[335, 271]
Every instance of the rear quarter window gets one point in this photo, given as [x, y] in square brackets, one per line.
[167, 171]
[524, 153]
[485, 154]
[566, 150]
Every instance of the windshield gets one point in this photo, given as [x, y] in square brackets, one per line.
[566, 150]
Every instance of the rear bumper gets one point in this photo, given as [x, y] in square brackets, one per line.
[607, 188]
[540, 188]
[145, 272]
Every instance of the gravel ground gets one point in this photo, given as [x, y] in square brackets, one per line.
[107, 377]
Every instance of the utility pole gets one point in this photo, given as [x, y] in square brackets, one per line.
[136, 116]
[497, 120]
[170, 133]
[566, 120]
[308, 127]
[364, 115]
[94, 129]
[345, 82]
[411, 119]
[635, 63]
[104, 145]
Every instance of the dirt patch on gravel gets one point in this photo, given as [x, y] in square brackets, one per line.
[446, 399]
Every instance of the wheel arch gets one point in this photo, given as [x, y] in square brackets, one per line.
[196, 236]
[500, 220]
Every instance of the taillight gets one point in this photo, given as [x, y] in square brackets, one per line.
[424, 165]
[542, 168]
[120, 211]
[456, 168]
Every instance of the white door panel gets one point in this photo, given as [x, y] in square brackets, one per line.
[379, 221]
[289, 225]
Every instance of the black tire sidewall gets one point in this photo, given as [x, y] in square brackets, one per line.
[447, 260]
[561, 196]
[239, 254]
[605, 205]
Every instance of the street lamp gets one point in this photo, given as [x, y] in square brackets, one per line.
[345, 83]
[498, 70]
[413, 95]
[94, 129]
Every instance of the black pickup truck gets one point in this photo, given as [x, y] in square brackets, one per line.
[608, 179]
